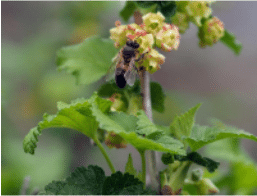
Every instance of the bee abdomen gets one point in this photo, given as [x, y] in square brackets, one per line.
[119, 78]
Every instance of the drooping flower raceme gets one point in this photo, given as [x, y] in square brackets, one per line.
[193, 11]
[152, 32]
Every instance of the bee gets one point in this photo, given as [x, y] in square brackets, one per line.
[125, 69]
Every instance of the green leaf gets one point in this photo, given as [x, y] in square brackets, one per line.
[92, 181]
[167, 8]
[145, 126]
[198, 159]
[125, 126]
[77, 116]
[30, 140]
[129, 168]
[88, 61]
[157, 97]
[230, 41]
[83, 181]
[182, 125]
[54, 188]
[203, 135]
[128, 10]
[119, 184]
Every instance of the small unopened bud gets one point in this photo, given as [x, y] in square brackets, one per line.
[117, 23]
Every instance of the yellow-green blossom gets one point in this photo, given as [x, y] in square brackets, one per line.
[168, 38]
[211, 32]
[198, 10]
[153, 22]
[181, 20]
[153, 61]
[118, 34]
[146, 43]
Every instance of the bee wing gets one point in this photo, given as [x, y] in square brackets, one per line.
[110, 73]
[131, 73]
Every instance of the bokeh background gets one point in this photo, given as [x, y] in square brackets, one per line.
[32, 32]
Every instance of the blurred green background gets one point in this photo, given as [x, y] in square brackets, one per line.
[31, 86]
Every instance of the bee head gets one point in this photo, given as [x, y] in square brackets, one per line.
[132, 44]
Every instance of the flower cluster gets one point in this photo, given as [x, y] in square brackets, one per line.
[199, 12]
[211, 31]
[192, 11]
[152, 32]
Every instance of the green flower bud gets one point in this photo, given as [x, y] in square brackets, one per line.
[153, 61]
[181, 20]
[206, 187]
[118, 103]
[198, 10]
[168, 38]
[135, 104]
[211, 32]
[114, 140]
[153, 22]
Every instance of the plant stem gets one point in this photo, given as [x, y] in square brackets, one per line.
[142, 154]
[98, 143]
[147, 107]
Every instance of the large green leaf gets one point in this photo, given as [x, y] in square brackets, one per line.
[125, 126]
[182, 125]
[92, 181]
[203, 135]
[88, 61]
[77, 116]
[230, 41]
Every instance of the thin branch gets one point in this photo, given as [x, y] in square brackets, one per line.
[147, 106]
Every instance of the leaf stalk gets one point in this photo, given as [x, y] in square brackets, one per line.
[107, 158]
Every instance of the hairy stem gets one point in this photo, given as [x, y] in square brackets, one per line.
[107, 158]
[142, 154]
[147, 107]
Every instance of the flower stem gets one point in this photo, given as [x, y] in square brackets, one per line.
[107, 158]
[142, 154]
[147, 107]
